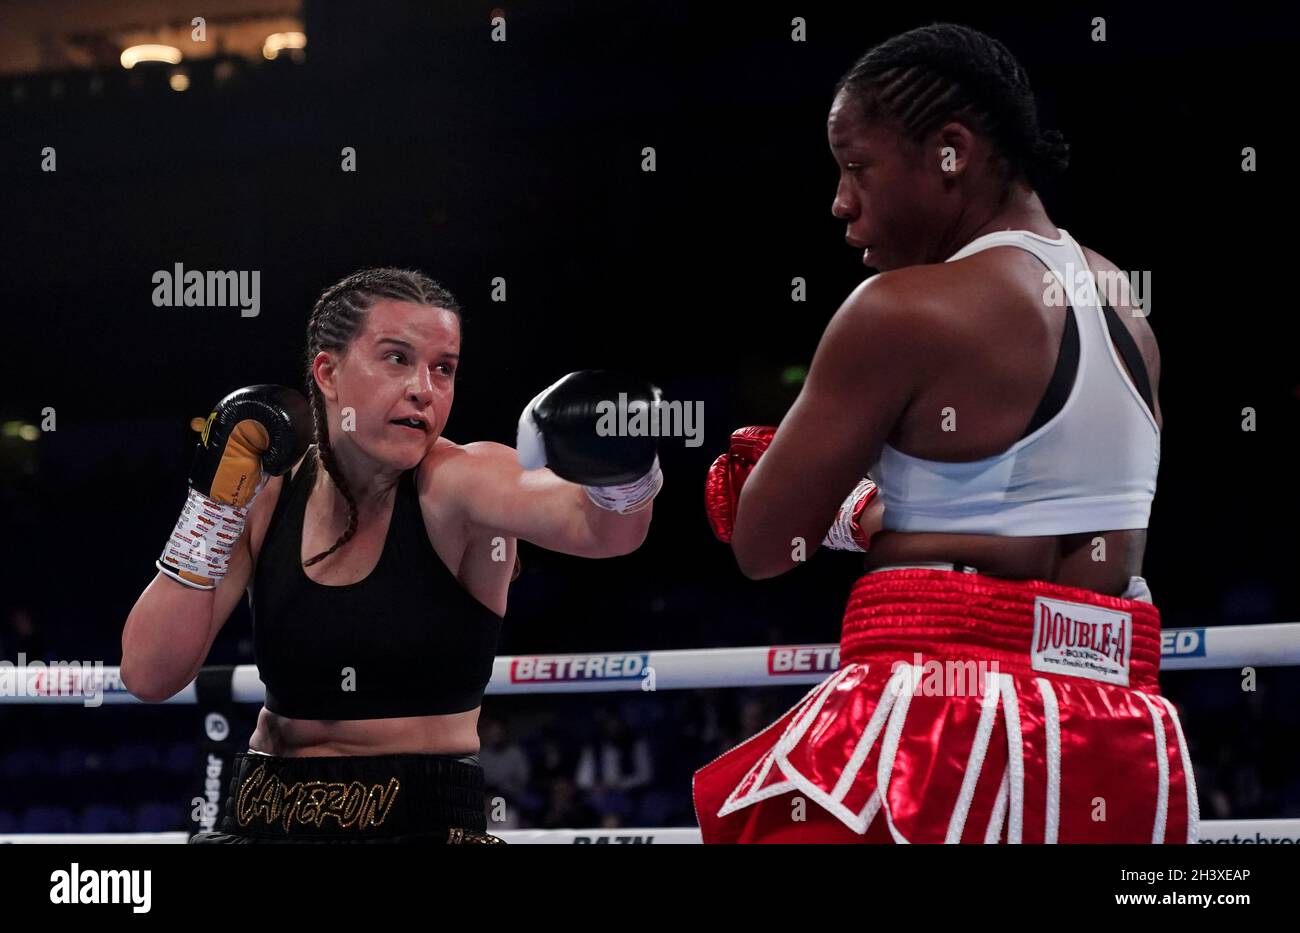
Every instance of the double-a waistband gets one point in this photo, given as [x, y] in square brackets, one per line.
[354, 797]
[1029, 627]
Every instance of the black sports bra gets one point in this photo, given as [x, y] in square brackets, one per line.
[407, 640]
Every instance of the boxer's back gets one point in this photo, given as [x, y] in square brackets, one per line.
[996, 368]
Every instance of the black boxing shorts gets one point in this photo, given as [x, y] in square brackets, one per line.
[423, 799]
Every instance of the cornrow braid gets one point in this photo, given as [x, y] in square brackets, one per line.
[335, 322]
[922, 78]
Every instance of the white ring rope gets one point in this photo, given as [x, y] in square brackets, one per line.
[1216, 648]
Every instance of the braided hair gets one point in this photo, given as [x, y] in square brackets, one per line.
[922, 78]
[335, 321]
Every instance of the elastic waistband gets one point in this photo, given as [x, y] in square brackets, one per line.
[465, 759]
[927, 565]
[1028, 627]
[337, 797]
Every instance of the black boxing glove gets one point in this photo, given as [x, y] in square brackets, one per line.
[595, 428]
[253, 434]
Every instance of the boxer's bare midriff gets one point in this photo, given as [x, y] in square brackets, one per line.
[456, 734]
[1101, 561]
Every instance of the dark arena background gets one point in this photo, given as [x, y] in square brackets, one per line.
[520, 166]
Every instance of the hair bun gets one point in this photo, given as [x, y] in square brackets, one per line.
[1051, 153]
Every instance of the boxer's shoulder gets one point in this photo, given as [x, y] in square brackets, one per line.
[265, 503]
[1129, 309]
[449, 470]
[1125, 301]
[447, 460]
[263, 507]
[908, 307]
[439, 463]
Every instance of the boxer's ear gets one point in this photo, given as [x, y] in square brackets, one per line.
[952, 145]
[325, 369]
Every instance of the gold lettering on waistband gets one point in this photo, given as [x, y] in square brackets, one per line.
[264, 797]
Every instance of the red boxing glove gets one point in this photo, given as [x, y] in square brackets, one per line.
[846, 532]
[727, 477]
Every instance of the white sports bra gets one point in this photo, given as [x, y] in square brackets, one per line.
[1091, 467]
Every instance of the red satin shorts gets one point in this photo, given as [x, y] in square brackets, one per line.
[969, 709]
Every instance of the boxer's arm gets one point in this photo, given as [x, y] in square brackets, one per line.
[253, 433]
[498, 496]
[862, 377]
[171, 628]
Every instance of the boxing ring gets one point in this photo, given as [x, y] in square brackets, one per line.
[1209, 648]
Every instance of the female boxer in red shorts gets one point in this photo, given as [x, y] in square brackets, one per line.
[377, 565]
[1008, 413]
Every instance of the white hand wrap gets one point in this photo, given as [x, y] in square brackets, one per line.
[839, 537]
[202, 541]
[628, 497]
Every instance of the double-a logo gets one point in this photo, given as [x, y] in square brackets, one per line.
[107, 886]
[1081, 640]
